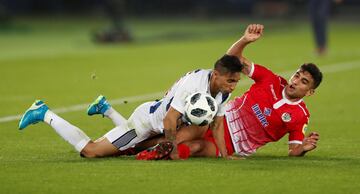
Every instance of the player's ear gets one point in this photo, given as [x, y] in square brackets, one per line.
[310, 92]
[216, 73]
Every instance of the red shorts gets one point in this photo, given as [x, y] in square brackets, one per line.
[228, 142]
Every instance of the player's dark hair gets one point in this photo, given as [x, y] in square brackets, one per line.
[228, 64]
[314, 72]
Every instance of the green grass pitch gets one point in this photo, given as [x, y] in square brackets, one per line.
[56, 61]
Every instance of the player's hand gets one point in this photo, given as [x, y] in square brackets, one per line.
[310, 142]
[253, 32]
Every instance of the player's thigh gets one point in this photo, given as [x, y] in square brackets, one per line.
[140, 120]
[137, 129]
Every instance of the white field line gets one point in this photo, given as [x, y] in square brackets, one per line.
[131, 99]
[151, 96]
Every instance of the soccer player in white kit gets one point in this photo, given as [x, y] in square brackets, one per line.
[155, 117]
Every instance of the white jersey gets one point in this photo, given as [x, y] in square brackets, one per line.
[194, 81]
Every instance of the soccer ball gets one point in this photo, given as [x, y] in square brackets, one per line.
[200, 109]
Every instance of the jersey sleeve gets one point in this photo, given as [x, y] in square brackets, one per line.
[260, 73]
[297, 131]
[184, 90]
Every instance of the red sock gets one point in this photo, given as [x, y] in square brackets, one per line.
[183, 151]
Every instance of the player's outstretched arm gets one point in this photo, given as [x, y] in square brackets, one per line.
[252, 33]
[309, 143]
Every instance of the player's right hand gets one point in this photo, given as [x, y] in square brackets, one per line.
[253, 32]
[310, 142]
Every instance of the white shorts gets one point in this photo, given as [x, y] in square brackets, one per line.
[139, 125]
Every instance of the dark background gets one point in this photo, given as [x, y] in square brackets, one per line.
[205, 8]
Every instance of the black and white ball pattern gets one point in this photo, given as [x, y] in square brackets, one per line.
[200, 109]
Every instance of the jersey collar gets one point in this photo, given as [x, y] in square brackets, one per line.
[209, 79]
[284, 100]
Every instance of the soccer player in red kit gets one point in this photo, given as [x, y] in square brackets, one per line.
[270, 109]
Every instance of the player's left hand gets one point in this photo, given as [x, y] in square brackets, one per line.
[310, 142]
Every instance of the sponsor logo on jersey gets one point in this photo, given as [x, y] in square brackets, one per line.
[260, 115]
[267, 111]
[286, 117]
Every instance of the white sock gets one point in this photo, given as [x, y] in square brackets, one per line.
[67, 131]
[115, 117]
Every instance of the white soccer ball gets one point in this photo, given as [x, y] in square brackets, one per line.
[200, 109]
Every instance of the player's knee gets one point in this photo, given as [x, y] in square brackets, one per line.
[91, 151]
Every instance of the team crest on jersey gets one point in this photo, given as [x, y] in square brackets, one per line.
[267, 111]
[286, 117]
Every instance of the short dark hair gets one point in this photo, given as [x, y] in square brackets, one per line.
[314, 72]
[228, 64]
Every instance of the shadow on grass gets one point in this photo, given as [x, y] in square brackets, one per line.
[74, 158]
[305, 158]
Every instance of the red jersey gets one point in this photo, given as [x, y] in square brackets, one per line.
[263, 114]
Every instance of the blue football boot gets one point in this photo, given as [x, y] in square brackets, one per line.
[34, 114]
[99, 106]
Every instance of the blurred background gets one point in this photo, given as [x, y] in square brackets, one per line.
[87, 47]
[188, 8]
[116, 15]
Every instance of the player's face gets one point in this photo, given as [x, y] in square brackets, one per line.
[226, 83]
[300, 85]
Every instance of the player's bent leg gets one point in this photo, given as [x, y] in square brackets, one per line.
[103, 107]
[100, 148]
